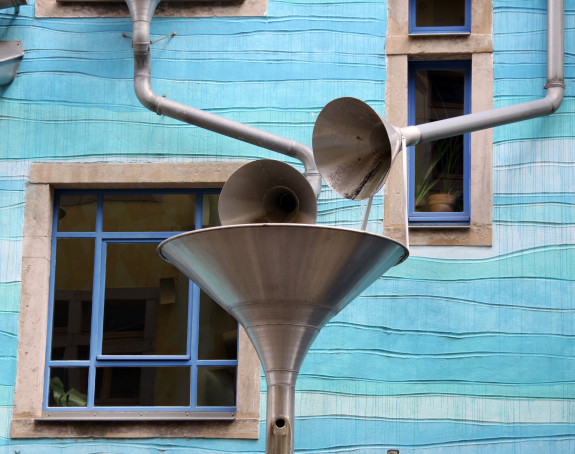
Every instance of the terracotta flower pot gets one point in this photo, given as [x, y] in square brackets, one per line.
[441, 202]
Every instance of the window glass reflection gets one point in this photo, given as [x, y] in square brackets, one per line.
[149, 212]
[77, 212]
[440, 13]
[145, 307]
[72, 308]
[439, 166]
[219, 331]
[68, 387]
[210, 214]
[142, 387]
[216, 386]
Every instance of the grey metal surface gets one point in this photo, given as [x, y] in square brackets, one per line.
[11, 54]
[141, 12]
[283, 283]
[555, 87]
[354, 148]
[267, 191]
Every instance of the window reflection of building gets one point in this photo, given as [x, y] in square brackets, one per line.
[439, 16]
[128, 329]
[30, 417]
[439, 171]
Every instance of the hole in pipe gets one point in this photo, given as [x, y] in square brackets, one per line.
[288, 202]
[280, 423]
[281, 205]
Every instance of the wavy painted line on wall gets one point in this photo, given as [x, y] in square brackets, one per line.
[359, 386]
[533, 292]
[10, 261]
[434, 344]
[432, 408]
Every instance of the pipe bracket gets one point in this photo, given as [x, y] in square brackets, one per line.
[174, 33]
[554, 84]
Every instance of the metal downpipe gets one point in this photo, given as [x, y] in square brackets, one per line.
[555, 87]
[142, 12]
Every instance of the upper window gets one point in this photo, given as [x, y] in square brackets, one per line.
[439, 171]
[127, 331]
[439, 16]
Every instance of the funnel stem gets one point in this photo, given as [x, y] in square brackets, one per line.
[279, 421]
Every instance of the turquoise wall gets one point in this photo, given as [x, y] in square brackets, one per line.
[458, 350]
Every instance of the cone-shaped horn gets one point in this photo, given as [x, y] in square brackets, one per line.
[267, 191]
[354, 148]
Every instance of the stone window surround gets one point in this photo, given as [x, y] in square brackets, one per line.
[27, 419]
[118, 8]
[477, 47]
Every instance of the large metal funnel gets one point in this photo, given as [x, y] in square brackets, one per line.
[283, 283]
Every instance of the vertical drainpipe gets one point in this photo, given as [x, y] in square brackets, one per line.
[142, 12]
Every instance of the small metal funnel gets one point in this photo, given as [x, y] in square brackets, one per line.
[354, 148]
[267, 190]
[283, 283]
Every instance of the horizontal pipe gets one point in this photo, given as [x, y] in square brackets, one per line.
[163, 106]
[555, 87]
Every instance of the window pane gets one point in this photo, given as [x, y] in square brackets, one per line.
[77, 213]
[71, 330]
[216, 386]
[146, 303]
[72, 309]
[142, 386]
[68, 387]
[218, 331]
[440, 13]
[438, 172]
[149, 212]
[210, 214]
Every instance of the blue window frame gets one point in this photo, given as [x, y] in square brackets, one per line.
[127, 332]
[439, 90]
[427, 17]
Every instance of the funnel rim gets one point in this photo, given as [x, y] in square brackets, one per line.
[282, 226]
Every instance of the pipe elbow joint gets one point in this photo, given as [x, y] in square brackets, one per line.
[314, 179]
[145, 94]
[305, 155]
[412, 135]
[554, 95]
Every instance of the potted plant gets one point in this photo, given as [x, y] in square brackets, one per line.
[447, 154]
[423, 185]
[438, 193]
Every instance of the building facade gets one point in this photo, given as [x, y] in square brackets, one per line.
[466, 347]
